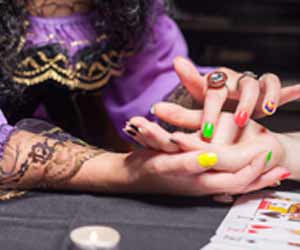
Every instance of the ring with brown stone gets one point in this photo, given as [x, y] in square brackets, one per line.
[217, 80]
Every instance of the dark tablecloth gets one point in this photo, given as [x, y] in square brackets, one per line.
[43, 221]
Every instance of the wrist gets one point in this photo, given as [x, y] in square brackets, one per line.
[291, 156]
[106, 172]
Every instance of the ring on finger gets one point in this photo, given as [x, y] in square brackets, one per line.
[244, 75]
[217, 80]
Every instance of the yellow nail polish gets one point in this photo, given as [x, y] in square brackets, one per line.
[207, 160]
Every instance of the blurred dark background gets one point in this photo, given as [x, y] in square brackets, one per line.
[261, 35]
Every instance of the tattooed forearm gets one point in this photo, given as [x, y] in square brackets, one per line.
[47, 8]
[42, 162]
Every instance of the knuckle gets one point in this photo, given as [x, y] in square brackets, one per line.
[236, 186]
[156, 167]
[225, 69]
[217, 95]
[177, 135]
[186, 165]
[152, 126]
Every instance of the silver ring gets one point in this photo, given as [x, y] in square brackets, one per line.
[246, 74]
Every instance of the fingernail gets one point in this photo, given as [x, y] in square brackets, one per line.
[208, 130]
[285, 176]
[174, 141]
[207, 160]
[241, 119]
[269, 157]
[134, 128]
[152, 110]
[130, 132]
[269, 108]
[276, 184]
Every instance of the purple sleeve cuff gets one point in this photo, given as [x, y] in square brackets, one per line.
[6, 131]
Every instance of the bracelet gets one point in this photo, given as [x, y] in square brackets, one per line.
[246, 74]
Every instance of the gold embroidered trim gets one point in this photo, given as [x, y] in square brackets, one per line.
[32, 71]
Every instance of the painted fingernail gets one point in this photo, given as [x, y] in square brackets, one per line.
[208, 130]
[134, 128]
[207, 160]
[285, 176]
[130, 132]
[269, 108]
[174, 141]
[269, 157]
[152, 110]
[276, 184]
[241, 119]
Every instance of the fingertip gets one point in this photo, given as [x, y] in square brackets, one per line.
[269, 107]
[152, 109]
[241, 118]
[208, 130]
[207, 160]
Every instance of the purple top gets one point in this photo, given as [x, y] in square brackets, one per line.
[72, 32]
[5, 132]
[149, 76]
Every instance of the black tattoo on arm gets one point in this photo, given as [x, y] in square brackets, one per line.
[182, 97]
[46, 163]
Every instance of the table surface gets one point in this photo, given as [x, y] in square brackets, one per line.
[43, 221]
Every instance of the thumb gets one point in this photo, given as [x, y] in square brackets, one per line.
[191, 78]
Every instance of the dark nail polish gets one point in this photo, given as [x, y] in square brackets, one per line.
[130, 133]
[174, 141]
[134, 128]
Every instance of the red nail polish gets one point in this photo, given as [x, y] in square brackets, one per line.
[241, 119]
[285, 176]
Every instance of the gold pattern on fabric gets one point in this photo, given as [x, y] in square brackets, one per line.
[40, 68]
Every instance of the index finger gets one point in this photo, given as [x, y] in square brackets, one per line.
[190, 78]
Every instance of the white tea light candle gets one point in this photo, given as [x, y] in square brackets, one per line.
[95, 238]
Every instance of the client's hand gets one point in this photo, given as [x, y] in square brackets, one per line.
[187, 173]
[231, 151]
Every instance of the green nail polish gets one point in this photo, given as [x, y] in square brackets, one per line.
[269, 157]
[208, 130]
